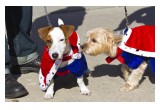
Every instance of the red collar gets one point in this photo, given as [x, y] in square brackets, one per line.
[65, 57]
[118, 57]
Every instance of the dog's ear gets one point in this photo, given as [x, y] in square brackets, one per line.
[118, 39]
[43, 32]
[67, 30]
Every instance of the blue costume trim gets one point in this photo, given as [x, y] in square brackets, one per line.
[78, 67]
[134, 61]
[152, 65]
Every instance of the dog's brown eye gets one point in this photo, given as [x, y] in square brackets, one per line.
[61, 39]
[93, 40]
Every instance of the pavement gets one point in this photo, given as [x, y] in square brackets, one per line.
[105, 80]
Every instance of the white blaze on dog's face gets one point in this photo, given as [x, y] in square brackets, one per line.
[56, 39]
[58, 45]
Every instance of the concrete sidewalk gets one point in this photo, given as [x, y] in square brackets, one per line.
[105, 80]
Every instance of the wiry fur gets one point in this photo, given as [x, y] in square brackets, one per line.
[102, 40]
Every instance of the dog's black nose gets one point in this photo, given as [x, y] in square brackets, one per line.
[82, 46]
[55, 55]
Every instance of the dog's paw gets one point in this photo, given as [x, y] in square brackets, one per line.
[48, 96]
[85, 91]
[127, 88]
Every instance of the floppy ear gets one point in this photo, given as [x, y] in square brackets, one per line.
[118, 39]
[43, 32]
[67, 30]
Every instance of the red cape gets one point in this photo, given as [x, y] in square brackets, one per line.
[140, 41]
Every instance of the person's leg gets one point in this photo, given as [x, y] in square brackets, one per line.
[18, 24]
[7, 58]
[13, 89]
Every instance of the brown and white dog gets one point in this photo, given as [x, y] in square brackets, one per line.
[105, 41]
[59, 51]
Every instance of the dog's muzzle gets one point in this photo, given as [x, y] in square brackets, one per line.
[82, 47]
[55, 55]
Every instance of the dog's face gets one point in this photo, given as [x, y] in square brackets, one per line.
[100, 41]
[56, 38]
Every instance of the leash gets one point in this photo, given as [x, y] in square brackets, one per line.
[47, 16]
[126, 17]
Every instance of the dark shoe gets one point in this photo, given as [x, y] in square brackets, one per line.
[13, 89]
[32, 66]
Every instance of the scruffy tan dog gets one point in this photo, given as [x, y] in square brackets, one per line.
[105, 41]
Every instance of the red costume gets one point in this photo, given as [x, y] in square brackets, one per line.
[49, 68]
[138, 45]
